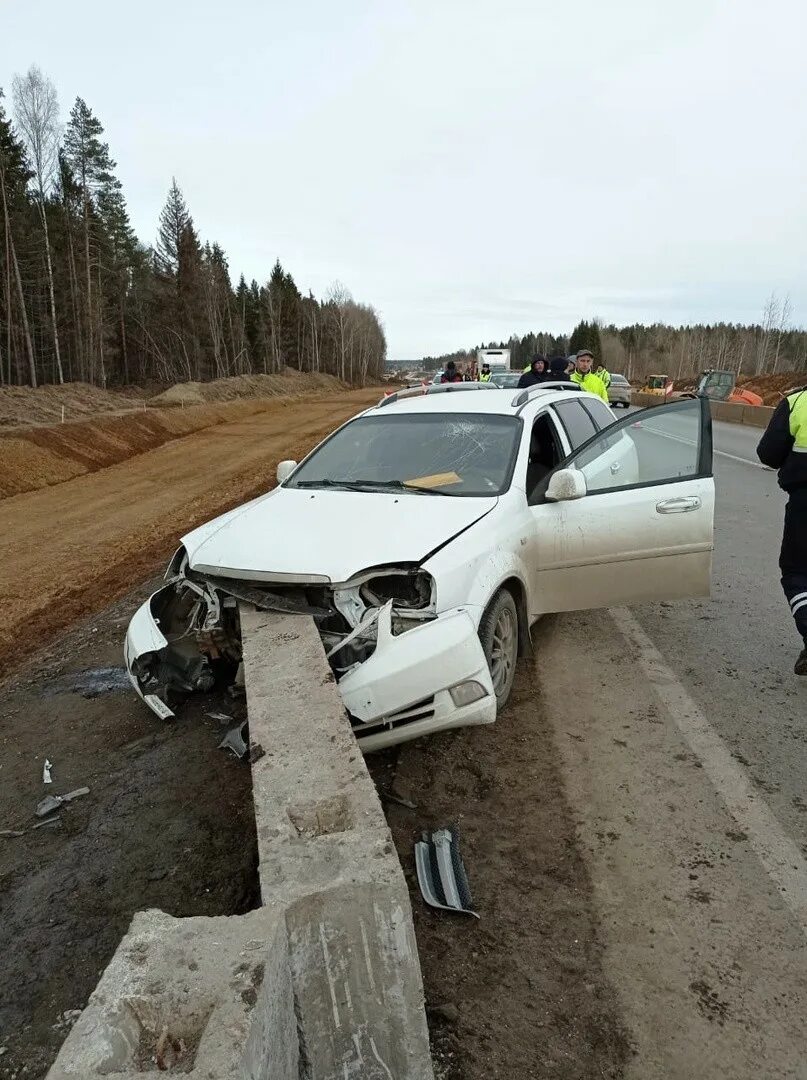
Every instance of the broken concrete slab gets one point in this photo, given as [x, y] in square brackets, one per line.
[339, 995]
[326, 857]
[212, 994]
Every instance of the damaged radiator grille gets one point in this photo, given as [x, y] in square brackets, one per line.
[421, 710]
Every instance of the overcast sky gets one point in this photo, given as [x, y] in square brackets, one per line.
[469, 168]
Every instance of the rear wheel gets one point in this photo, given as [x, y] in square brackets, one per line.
[498, 632]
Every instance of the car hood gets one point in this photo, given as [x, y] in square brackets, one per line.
[292, 534]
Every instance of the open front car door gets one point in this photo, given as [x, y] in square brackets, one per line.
[629, 516]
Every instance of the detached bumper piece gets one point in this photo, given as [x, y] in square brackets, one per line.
[441, 873]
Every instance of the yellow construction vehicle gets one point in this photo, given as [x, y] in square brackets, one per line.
[659, 385]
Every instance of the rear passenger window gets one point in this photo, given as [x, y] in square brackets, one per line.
[576, 422]
[599, 412]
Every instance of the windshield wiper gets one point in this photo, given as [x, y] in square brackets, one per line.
[370, 485]
[345, 485]
[397, 485]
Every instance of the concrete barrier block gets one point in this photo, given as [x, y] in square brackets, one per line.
[326, 857]
[757, 415]
[357, 985]
[205, 997]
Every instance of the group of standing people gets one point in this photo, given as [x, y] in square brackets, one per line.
[577, 369]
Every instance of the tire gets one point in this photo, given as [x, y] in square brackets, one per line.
[498, 633]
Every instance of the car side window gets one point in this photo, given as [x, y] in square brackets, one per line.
[546, 452]
[576, 421]
[599, 412]
[663, 447]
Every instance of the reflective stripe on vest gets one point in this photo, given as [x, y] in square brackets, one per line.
[797, 403]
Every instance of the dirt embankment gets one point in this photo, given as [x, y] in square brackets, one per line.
[285, 384]
[41, 454]
[44, 405]
[771, 388]
[21, 406]
[67, 550]
[38, 457]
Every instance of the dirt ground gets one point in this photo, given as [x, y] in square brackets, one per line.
[519, 993]
[167, 824]
[67, 550]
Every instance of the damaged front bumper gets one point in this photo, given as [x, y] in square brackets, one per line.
[431, 677]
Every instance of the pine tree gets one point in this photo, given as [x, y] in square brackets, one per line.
[174, 219]
[120, 254]
[89, 160]
[586, 335]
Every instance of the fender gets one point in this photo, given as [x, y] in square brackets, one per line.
[468, 573]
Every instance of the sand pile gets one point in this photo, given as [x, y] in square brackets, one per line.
[289, 383]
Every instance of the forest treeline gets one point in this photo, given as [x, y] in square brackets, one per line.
[82, 298]
[678, 351]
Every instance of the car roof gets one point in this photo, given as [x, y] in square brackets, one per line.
[492, 401]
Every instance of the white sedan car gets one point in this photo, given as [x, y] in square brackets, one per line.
[427, 535]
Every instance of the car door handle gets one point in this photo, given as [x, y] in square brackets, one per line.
[682, 505]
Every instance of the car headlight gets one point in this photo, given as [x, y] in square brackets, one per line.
[411, 589]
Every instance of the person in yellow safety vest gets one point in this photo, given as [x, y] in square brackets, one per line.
[484, 375]
[602, 372]
[585, 377]
[784, 447]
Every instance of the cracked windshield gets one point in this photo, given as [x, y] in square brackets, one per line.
[446, 454]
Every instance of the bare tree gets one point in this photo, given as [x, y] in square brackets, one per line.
[36, 106]
[771, 316]
[340, 299]
[14, 262]
[785, 312]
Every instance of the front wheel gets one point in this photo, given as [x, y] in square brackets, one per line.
[498, 632]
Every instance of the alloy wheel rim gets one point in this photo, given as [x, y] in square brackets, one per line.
[503, 650]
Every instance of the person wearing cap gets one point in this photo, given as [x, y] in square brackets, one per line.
[484, 375]
[585, 377]
[535, 374]
[451, 374]
[784, 447]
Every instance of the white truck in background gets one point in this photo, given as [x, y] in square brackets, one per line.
[496, 359]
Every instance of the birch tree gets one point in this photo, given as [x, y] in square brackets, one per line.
[36, 108]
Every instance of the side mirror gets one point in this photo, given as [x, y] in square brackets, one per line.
[284, 470]
[566, 484]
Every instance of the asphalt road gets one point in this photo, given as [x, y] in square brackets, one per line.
[683, 736]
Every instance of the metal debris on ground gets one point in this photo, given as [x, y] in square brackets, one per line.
[220, 716]
[235, 740]
[45, 824]
[399, 799]
[53, 802]
[46, 777]
[12, 832]
[441, 874]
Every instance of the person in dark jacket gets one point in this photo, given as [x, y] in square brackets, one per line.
[784, 447]
[451, 374]
[558, 369]
[536, 373]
